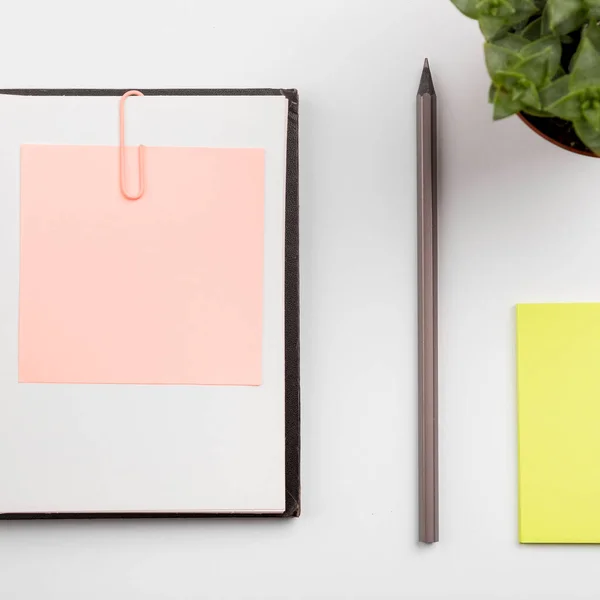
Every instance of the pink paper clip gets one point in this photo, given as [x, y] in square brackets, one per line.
[122, 170]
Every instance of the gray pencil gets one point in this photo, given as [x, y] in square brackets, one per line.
[427, 257]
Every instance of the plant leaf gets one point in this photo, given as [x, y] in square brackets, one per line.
[467, 7]
[498, 58]
[525, 6]
[585, 79]
[566, 15]
[531, 97]
[533, 30]
[493, 27]
[535, 113]
[519, 88]
[548, 42]
[592, 116]
[491, 93]
[548, 49]
[496, 8]
[593, 7]
[507, 80]
[504, 105]
[588, 52]
[588, 135]
[537, 69]
[592, 32]
[555, 91]
[497, 17]
[546, 30]
[567, 108]
[512, 42]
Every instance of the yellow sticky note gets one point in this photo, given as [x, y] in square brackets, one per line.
[558, 355]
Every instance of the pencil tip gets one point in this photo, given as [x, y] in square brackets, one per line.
[426, 83]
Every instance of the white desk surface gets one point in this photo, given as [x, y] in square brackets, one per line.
[519, 222]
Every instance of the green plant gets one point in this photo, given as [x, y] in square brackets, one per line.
[543, 57]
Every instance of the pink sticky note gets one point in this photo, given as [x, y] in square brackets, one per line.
[163, 290]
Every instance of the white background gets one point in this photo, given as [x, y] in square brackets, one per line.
[519, 222]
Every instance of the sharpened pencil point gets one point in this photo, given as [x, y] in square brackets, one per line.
[426, 83]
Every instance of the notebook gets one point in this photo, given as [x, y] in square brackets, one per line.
[558, 350]
[149, 347]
